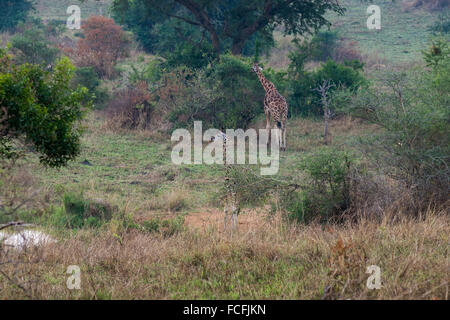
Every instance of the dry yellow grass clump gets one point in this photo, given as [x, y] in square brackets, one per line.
[272, 261]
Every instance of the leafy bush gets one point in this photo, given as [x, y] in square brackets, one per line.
[238, 95]
[33, 46]
[191, 56]
[340, 75]
[226, 94]
[13, 12]
[328, 191]
[413, 112]
[79, 212]
[40, 108]
[438, 54]
[303, 99]
[88, 78]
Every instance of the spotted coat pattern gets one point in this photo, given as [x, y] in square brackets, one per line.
[232, 203]
[275, 106]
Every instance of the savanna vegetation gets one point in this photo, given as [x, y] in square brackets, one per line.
[86, 118]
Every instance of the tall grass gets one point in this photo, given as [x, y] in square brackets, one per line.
[274, 261]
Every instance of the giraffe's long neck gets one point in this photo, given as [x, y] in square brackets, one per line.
[224, 147]
[267, 85]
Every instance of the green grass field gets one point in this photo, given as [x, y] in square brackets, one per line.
[57, 9]
[402, 36]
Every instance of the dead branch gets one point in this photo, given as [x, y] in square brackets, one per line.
[16, 224]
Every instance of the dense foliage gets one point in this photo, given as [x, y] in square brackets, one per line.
[33, 43]
[12, 12]
[414, 113]
[227, 25]
[40, 108]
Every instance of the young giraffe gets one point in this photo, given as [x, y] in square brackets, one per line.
[232, 205]
[275, 106]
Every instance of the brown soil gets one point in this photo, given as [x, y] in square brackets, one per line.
[212, 218]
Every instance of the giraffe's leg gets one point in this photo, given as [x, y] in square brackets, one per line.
[268, 127]
[278, 136]
[284, 137]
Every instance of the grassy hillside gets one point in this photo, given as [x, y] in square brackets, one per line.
[403, 34]
[56, 9]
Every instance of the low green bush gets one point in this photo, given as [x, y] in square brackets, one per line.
[327, 193]
[88, 78]
[166, 227]
[32, 44]
[304, 100]
[78, 212]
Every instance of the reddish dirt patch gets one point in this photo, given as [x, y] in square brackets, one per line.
[211, 218]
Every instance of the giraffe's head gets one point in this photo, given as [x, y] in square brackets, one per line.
[256, 67]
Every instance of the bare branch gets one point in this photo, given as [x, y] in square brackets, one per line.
[16, 224]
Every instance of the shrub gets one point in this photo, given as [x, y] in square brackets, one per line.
[79, 212]
[130, 108]
[442, 25]
[340, 75]
[413, 112]
[225, 95]
[13, 12]
[237, 94]
[103, 44]
[190, 55]
[304, 100]
[88, 78]
[328, 193]
[40, 108]
[32, 46]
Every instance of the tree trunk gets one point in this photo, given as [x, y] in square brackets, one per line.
[215, 42]
[237, 47]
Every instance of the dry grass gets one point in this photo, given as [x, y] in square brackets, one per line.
[266, 258]
[270, 262]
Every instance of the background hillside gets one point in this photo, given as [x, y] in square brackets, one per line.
[405, 31]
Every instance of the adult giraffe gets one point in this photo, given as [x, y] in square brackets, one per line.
[275, 106]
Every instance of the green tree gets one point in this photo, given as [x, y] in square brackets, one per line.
[235, 21]
[12, 12]
[33, 47]
[412, 108]
[40, 109]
